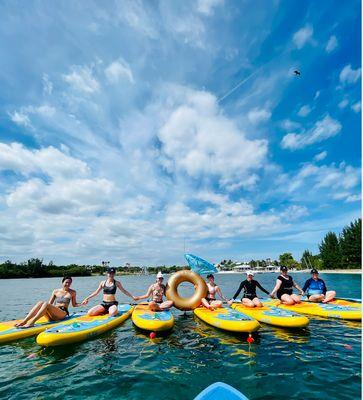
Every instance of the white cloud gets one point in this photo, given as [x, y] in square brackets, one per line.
[349, 75]
[289, 125]
[207, 7]
[198, 139]
[332, 44]
[331, 178]
[343, 103]
[50, 161]
[119, 70]
[321, 156]
[317, 95]
[81, 79]
[295, 212]
[304, 111]
[259, 115]
[47, 85]
[356, 107]
[20, 118]
[322, 130]
[303, 36]
[354, 197]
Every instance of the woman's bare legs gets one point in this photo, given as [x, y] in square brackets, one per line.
[30, 314]
[96, 310]
[54, 313]
[248, 303]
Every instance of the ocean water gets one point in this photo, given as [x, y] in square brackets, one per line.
[320, 362]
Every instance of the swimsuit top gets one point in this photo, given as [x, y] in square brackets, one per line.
[109, 289]
[286, 285]
[158, 292]
[249, 288]
[313, 286]
[62, 300]
[211, 292]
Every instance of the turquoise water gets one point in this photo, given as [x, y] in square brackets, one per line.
[321, 362]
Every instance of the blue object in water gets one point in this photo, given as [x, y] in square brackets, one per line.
[200, 266]
[220, 391]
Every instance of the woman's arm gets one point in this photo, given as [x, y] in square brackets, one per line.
[238, 290]
[74, 299]
[95, 293]
[261, 288]
[276, 288]
[298, 287]
[52, 298]
[219, 292]
[118, 284]
[145, 296]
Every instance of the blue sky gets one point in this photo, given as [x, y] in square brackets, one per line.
[128, 129]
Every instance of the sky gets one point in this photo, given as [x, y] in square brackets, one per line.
[136, 131]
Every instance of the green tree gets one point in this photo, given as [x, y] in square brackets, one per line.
[287, 260]
[330, 251]
[307, 259]
[351, 245]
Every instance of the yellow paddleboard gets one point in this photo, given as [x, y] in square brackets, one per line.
[148, 320]
[273, 316]
[83, 328]
[9, 332]
[227, 319]
[329, 310]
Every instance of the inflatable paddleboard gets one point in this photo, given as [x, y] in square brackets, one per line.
[227, 319]
[9, 332]
[83, 327]
[220, 391]
[148, 320]
[329, 310]
[273, 316]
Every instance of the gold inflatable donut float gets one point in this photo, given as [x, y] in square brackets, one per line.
[186, 303]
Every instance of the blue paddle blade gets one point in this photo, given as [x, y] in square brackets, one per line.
[200, 266]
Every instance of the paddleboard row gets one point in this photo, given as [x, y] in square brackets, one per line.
[80, 326]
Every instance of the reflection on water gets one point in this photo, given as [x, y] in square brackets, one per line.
[126, 364]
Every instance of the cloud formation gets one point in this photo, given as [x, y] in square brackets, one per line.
[323, 129]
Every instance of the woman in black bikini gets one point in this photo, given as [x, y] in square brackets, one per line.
[109, 303]
[55, 309]
[283, 288]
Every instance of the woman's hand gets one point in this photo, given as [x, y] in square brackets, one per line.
[272, 295]
[136, 298]
[230, 302]
[84, 302]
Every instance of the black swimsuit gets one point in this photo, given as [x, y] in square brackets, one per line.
[109, 290]
[286, 286]
[249, 289]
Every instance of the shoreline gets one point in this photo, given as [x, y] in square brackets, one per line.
[323, 271]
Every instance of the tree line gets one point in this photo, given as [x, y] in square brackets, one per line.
[342, 251]
[36, 268]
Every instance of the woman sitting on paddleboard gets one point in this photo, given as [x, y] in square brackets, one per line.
[55, 309]
[316, 290]
[157, 292]
[283, 288]
[210, 301]
[249, 298]
[109, 303]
